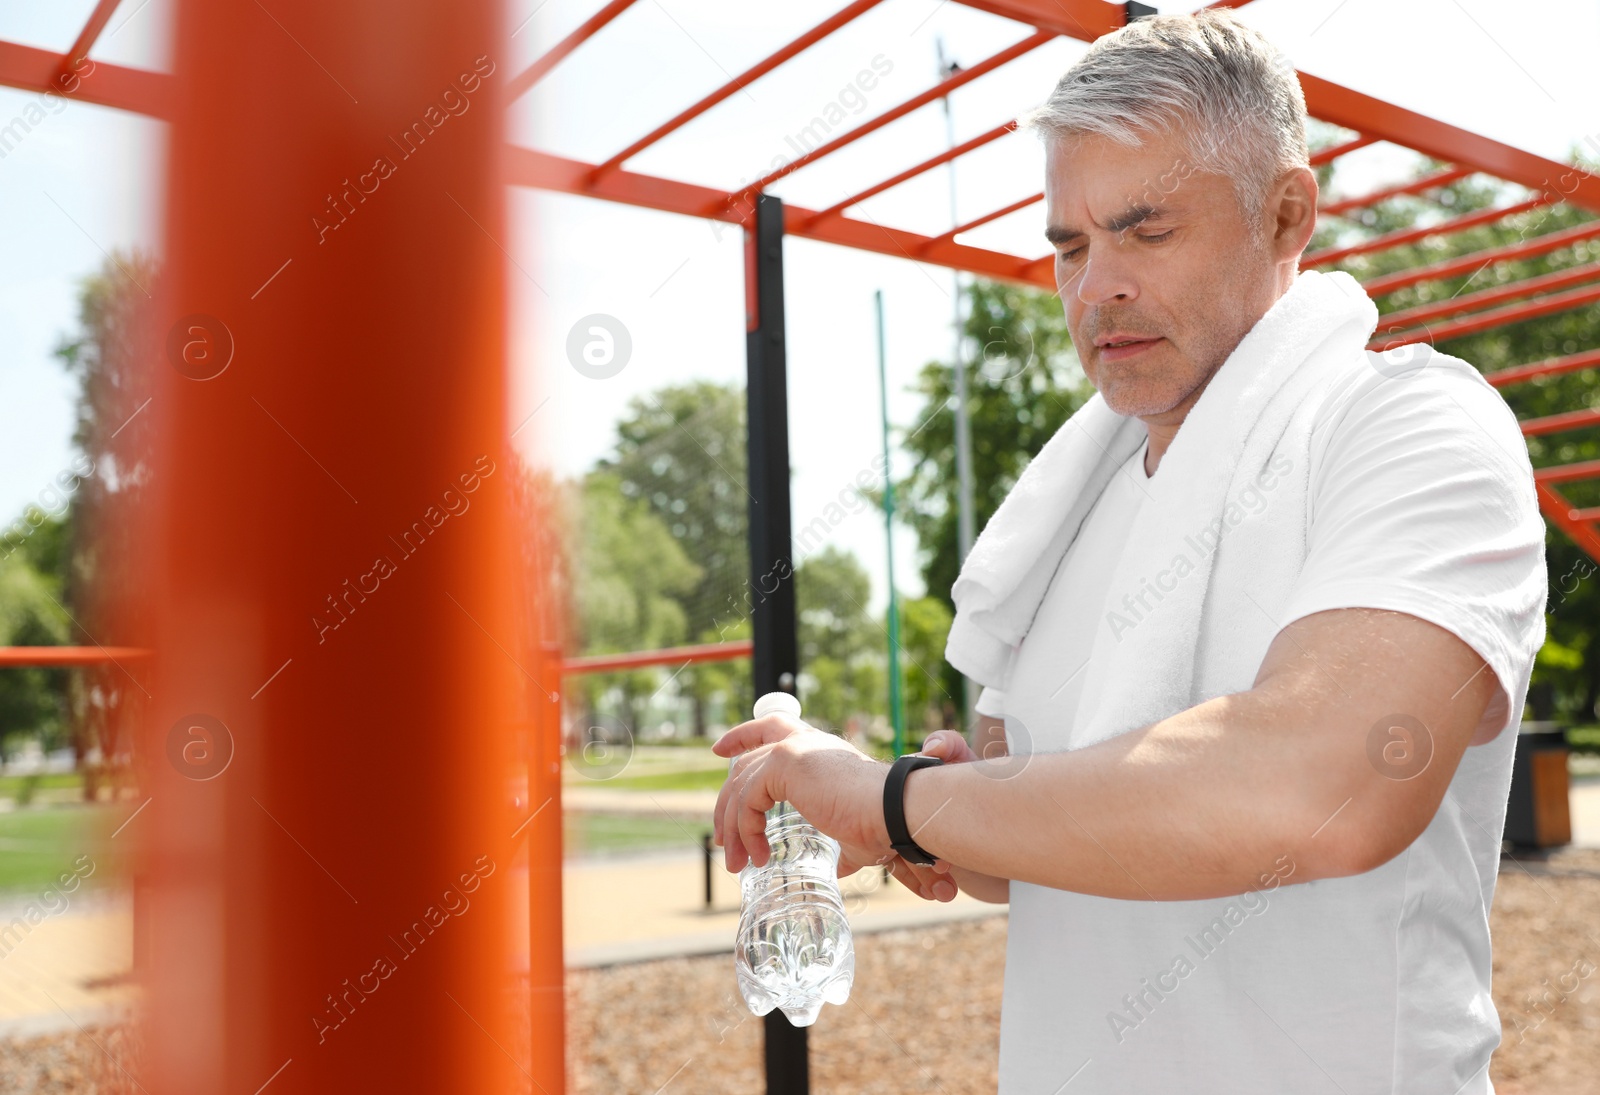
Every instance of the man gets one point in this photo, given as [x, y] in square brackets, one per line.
[1259, 622]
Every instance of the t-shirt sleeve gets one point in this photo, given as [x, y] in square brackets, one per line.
[991, 702]
[1422, 502]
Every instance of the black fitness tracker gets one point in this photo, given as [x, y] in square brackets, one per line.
[894, 806]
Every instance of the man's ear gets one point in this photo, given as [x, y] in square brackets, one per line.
[1293, 210]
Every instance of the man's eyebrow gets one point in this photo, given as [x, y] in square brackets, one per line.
[1134, 215]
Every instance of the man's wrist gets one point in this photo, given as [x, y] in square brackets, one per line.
[903, 838]
[874, 807]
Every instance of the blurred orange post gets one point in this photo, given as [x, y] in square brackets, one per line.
[336, 617]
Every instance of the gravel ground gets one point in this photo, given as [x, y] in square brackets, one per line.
[924, 1015]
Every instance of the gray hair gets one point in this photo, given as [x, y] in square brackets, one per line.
[1233, 95]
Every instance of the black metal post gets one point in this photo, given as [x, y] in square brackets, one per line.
[776, 649]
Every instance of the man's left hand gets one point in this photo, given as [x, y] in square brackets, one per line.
[836, 786]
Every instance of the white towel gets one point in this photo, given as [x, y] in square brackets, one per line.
[1256, 410]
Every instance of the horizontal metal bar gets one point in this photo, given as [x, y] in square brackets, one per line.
[1366, 114]
[1328, 155]
[1554, 366]
[912, 172]
[133, 89]
[1567, 473]
[1484, 321]
[15, 657]
[979, 222]
[672, 655]
[1449, 268]
[1495, 294]
[522, 81]
[1560, 511]
[529, 167]
[937, 91]
[1084, 20]
[1559, 423]
[89, 34]
[744, 79]
[1416, 186]
[1412, 235]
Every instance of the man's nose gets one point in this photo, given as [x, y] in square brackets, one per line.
[1106, 276]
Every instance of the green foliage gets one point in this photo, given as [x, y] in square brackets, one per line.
[628, 592]
[681, 452]
[1024, 383]
[842, 649]
[33, 700]
[100, 563]
[627, 587]
[1566, 676]
[924, 627]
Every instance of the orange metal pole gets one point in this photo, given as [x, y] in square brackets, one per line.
[1540, 286]
[591, 26]
[1032, 42]
[912, 172]
[1462, 264]
[1328, 155]
[738, 83]
[19, 656]
[1483, 321]
[1555, 366]
[1412, 235]
[530, 167]
[669, 655]
[1416, 186]
[338, 672]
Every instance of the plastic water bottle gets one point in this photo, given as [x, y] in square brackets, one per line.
[794, 949]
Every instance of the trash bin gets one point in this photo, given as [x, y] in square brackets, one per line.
[1538, 813]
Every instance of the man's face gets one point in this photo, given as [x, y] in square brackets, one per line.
[1156, 256]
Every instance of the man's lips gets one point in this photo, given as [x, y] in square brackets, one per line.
[1116, 347]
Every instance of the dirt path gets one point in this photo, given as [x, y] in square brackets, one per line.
[925, 1013]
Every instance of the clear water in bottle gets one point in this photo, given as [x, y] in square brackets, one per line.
[794, 950]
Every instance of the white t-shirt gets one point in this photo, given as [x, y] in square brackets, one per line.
[1378, 982]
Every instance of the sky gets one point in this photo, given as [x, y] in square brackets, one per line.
[88, 180]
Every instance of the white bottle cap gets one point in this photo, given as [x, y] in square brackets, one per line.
[777, 703]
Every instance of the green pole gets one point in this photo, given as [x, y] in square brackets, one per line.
[896, 712]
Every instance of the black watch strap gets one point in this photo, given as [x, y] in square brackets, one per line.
[894, 806]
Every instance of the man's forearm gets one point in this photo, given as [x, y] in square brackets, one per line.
[989, 742]
[983, 887]
[1201, 804]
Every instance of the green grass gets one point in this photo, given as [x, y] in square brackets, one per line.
[10, 786]
[1584, 739]
[37, 846]
[612, 833]
[706, 780]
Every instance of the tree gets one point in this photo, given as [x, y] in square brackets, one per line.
[681, 451]
[102, 570]
[1025, 382]
[1566, 675]
[842, 656]
[33, 700]
[627, 589]
[924, 627]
